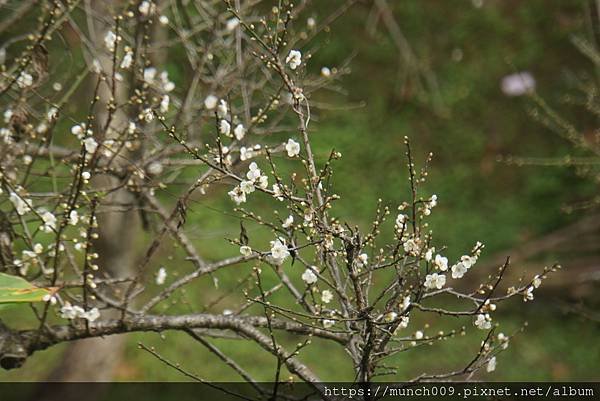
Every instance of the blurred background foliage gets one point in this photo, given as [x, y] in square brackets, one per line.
[446, 98]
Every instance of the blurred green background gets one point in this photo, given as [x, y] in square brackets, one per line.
[447, 101]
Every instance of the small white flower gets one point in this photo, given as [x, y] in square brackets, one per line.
[518, 84]
[232, 23]
[294, 59]
[91, 315]
[78, 130]
[25, 80]
[419, 335]
[435, 280]
[146, 8]
[52, 113]
[149, 74]
[237, 195]
[239, 131]
[325, 72]
[483, 321]
[459, 270]
[90, 144]
[19, 203]
[86, 175]
[164, 104]
[327, 323]
[288, 222]
[441, 263]
[245, 250]
[362, 260]
[292, 147]
[8, 113]
[49, 298]
[253, 172]
[412, 247]
[73, 217]
[210, 102]
[537, 281]
[163, 19]
[278, 193]
[127, 60]
[224, 127]
[311, 22]
[405, 303]
[161, 276]
[279, 250]
[528, 296]
[390, 317]
[222, 109]
[110, 39]
[148, 115]
[49, 222]
[491, 365]
[38, 248]
[247, 187]
[326, 296]
[155, 168]
[309, 277]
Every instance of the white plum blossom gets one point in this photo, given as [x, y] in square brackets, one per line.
[518, 84]
[73, 217]
[232, 23]
[52, 113]
[163, 19]
[149, 74]
[148, 115]
[325, 72]
[288, 222]
[21, 205]
[91, 315]
[222, 109]
[390, 317]
[224, 127]
[247, 187]
[78, 130]
[309, 276]
[237, 195]
[459, 270]
[328, 323]
[253, 172]
[294, 59]
[537, 281]
[419, 335]
[146, 8]
[90, 144]
[435, 280]
[491, 365]
[412, 247]
[86, 175]
[405, 303]
[127, 60]
[483, 321]
[8, 113]
[277, 192]
[245, 250]
[68, 311]
[239, 131]
[292, 147]
[210, 102]
[161, 276]
[326, 296]
[528, 295]
[279, 250]
[49, 220]
[164, 104]
[441, 262]
[110, 39]
[362, 260]
[401, 221]
[167, 84]
[25, 80]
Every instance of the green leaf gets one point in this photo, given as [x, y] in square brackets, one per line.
[16, 289]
